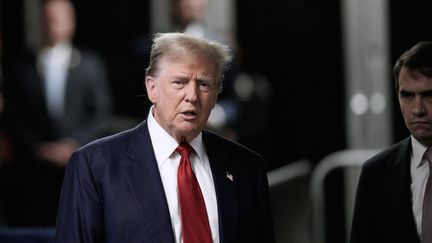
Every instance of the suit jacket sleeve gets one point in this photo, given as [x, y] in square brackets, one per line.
[362, 230]
[89, 88]
[266, 214]
[80, 212]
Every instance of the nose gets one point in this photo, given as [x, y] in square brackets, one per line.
[191, 91]
[419, 107]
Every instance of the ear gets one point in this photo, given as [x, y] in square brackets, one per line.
[150, 84]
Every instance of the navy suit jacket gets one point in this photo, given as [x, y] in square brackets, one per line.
[383, 210]
[112, 192]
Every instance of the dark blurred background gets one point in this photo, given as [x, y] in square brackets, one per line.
[296, 46]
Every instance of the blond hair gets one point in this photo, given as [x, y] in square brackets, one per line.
[177, 45]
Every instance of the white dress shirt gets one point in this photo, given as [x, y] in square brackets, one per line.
[419, 175]
[55, 64]
[168, 161]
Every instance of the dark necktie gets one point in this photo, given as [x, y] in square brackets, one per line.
[194, 219]
[427, 204]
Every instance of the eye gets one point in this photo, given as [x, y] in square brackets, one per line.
[178, 83]
[405, 94]
[205, 85]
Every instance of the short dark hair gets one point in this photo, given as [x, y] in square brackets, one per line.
[418, 60]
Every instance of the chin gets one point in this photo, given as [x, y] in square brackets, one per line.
[424, 138]
[186, 131]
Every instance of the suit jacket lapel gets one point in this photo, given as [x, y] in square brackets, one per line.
[226, 186]
[145, 182]
[72, 81]
[402, 171]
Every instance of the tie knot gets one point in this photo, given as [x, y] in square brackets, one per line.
[428, 155]
[184, 149]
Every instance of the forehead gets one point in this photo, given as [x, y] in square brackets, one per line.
[60, 7]
[413, 80]
[197, 62]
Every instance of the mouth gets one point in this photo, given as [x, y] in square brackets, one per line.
[189, 114]
[421, 123]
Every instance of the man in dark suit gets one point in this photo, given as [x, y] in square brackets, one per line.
[126, 187]
[57, 100]
[389, 203]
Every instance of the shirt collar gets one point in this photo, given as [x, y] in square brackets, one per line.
[418, 150]
[56, 55]
[160, 137]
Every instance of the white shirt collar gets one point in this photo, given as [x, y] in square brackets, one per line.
[164, 145]
[58, 54]
[195, 29]
[418, 150]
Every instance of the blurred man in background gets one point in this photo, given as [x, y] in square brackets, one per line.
[189, 17]
[57, 99]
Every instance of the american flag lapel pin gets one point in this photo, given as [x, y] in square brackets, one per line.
[229, 176]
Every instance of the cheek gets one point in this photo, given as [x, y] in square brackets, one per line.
[215, 100]
[406, 113]
[211, 103]
[212, 99]
[404, 109]
[403, 105]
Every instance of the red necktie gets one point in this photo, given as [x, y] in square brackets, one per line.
[195, 225]
[427, 203]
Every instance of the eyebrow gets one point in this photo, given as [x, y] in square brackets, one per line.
[205, 78]
[427, 92]
[423, 93]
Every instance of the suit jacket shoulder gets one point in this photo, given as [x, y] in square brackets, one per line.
[233, 148]
[392, 156]
[112, 192]
[383, 209]
[114, 151]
